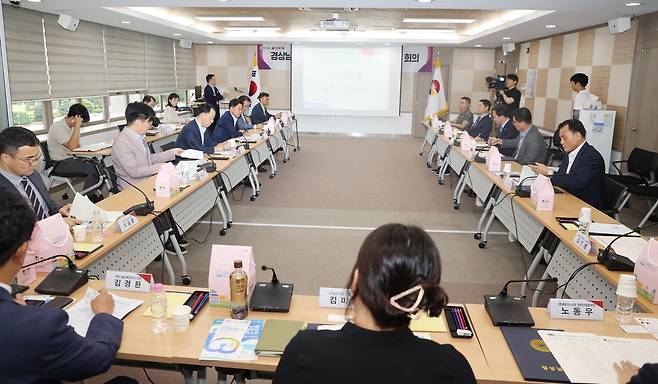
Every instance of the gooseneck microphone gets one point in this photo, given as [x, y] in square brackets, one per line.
[275, 279]
[503, 292]
[70, 262]
[614, 261]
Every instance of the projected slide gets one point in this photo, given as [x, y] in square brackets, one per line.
[358, 81]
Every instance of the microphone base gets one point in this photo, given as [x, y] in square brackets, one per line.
[523, 191]
[615, 262]
[140, 209]
[63, 281]
[508, 310]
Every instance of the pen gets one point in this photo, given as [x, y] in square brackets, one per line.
[197, 300]
[203, 301]
[461, 317]
[457, 319]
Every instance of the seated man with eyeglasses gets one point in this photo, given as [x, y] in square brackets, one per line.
[19, 155]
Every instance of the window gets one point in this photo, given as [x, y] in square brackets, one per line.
[95, 107]
[61, 107]
[118, 104]
[134, 97]
[182, 101]
[28, 114]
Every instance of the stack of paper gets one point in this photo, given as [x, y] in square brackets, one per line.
[83, 209]
[630, 247]
[192, 154]
[232, 340]
[588, 358]
[80, 314]
[608, 229]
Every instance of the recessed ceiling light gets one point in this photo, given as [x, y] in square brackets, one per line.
[551, 26]
[253, 29]
[507, 38]
[424, 1]
[176, 34]
[34, 1]
[126, 22]
[478, 45]
[426, 30]
[632, 4]
[210, 42]
[441, 21]
[229, 18]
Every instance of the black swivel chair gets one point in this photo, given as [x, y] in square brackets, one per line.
[614, 195]
[641, 166]
[555, 150]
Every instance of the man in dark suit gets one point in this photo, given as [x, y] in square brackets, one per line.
[212, 96]
[227, 126]
[19, 157]
[259, 113]
[529, 147]
[582, 171]
[482, 126]
[504, 127]
[194, 134]
[38, 345]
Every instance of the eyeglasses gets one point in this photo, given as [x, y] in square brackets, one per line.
[29, 160]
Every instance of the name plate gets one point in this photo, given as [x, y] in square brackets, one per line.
[202, 174]
[582, 242]
[334, 297]
[576, 309]
[126, 222]
[128, 281]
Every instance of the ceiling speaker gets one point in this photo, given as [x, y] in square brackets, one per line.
[508, 47]
[68, 22]
[185, 43]
[619, 25]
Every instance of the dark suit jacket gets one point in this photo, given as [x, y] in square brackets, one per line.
[212, 98]
[37, 181]
[533, 149]
[482, 128]
[190, 138]
[507, 132]
[259, 114]
[39, 346]
[586, 177]
[225, 129]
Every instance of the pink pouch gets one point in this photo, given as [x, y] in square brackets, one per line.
[542, 194]
[448, 131]
[285, 117]
[271, 124]
[466, 142]
[221, 266]
[51, 236]
[646, 272]
[166, 181]
[435, 121]
[493, 159]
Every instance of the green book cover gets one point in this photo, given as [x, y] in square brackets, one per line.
[276, 335]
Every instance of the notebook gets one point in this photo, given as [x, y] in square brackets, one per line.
[276, 335]
[534, 359]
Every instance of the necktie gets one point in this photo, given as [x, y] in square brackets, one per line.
[34, 199]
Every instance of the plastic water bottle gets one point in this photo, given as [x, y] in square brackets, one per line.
[626, 294]
[584, 220]
[158, 308]
[96, 227]
[239, 284]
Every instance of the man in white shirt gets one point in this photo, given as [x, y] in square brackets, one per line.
[64, 137]
[578, 83]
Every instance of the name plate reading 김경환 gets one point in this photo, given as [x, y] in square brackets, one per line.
[576, 309]
[128, 281]
[334, 297]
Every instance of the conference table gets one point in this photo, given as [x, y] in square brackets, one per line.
[487, 352]
[178, 212]
[530, 226]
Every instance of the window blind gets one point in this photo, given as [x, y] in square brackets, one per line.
[125, 57]
[26, 58]
[76, 60]
[160, 73]
[185, 68]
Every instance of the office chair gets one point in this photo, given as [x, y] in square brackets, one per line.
[641, 165]
[53, 176]
[614, 197]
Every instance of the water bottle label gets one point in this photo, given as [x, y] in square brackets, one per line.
[576, 309]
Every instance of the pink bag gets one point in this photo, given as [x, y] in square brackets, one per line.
[466, 142]
[221, 266]
[435, 121]
[448, 131]
[51, 236]
[285, 117]
[542, 194]
[493, 159]
[166, 181]
[271, 125]
[646, 272]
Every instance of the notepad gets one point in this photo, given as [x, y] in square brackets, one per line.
[86, 247]
[428, 324]
[276, 335]
[174, 299]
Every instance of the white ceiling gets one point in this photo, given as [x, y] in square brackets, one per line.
[568, 15]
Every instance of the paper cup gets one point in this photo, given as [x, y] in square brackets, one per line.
[181, 318]
[507, 168]
[585, 215]
[80, 232]
[627, 286]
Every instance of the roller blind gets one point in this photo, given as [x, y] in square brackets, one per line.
[185, 68]
[160, 73]
[126, 64]
[76, 59]
[26, 57]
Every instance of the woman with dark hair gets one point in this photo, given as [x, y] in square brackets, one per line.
[171, 110]
[149, 100]
[396, 275]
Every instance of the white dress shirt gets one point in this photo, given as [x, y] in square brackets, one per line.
[572, 156]
[582, 97]
[6, 287]
[202, 130]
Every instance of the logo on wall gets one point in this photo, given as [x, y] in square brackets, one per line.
[417, 58]
[274, 56]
